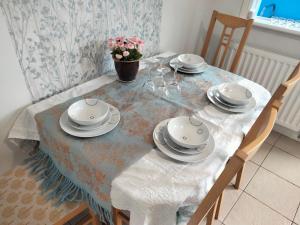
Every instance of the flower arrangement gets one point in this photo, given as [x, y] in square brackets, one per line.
[126, 49]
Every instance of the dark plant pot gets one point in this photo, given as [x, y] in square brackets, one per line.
[126, 70]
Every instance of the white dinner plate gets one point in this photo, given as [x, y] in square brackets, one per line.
[164, 148]
[105, 128]
[200, 69]
[241, 109]
[177, 148]
[186, 134]
[234, 93]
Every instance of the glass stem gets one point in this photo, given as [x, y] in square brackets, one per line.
[175, 77]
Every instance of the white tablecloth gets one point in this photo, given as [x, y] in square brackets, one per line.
[154, 188]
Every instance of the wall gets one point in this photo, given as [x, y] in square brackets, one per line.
[13, 96]
[181, 29]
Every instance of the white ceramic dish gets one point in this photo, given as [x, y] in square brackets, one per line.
[88, 111]
[190, 61]
[177, 148]
[90, 127]
[184, 133]
[235, 93]
[105, 128]
[163, 147]
[200, 69]
[241, 109]
[219, 99]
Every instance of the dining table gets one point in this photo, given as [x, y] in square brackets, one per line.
[124, 168]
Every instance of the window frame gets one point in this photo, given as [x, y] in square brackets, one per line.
[250, 8]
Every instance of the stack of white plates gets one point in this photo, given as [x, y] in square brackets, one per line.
[232, 97]
[191, 64]
[181, 139]
[89, 118]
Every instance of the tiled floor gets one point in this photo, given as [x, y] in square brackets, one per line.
[270, 189]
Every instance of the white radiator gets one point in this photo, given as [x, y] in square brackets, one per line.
[270, 70]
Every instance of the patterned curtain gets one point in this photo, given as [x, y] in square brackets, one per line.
[61, 43]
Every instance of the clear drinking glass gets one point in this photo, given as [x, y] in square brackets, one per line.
[149, 65]
[160, 87]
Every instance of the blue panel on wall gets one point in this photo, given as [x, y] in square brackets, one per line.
[287, 9]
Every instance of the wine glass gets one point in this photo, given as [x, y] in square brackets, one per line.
[172, 82]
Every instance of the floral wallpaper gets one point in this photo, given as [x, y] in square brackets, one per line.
[61, 43]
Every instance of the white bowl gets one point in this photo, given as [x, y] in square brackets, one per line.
[185, 134]
[88, 111]
[190, 61]
[234, 93]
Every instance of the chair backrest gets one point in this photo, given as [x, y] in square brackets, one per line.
[236, 162]
[230, 23]
[287, 86]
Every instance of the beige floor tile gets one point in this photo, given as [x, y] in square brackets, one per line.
[249, 211]
[273, 137]
[262, 153]
[289, 145]
[275, 192]
[230, 197]
[249, 172]
[284, 165]
[297, 218]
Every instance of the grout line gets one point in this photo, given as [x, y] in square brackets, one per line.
[298, 210]
[268, 206]
[225, 217]
[252, 178]
[274, 172]
[281, 177]
[287, 152]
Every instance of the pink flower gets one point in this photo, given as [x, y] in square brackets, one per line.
[120, 44]
[125, 53]
[140, 42]
[130, 46]
[118, 56]
[120, 39]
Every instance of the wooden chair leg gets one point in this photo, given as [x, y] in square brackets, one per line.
[218, 206]
[239, 178]
[119, 217]
[116, 217]
[94, 219]
[211, 215]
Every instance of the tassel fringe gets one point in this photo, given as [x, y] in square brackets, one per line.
[57, 186]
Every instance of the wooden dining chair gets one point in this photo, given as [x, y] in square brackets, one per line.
[231, 23]
[279, 94]
[209, 207]
[22, 202]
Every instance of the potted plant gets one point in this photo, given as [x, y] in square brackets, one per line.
[126, 53]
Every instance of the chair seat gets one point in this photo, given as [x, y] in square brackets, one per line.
[21, 201]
